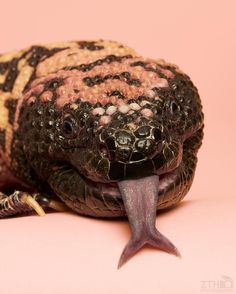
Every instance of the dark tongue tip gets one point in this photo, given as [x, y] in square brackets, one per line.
[140, 200]
[157, 241]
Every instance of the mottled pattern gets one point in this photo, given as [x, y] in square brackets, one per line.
[78, 117]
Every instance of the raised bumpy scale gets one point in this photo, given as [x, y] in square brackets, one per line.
[93, 126]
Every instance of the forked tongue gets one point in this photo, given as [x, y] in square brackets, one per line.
[140, 201]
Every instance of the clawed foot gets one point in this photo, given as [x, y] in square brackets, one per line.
[21, 202]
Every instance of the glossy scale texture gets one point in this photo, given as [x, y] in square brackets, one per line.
[104, 130]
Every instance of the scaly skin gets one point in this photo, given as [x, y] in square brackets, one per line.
[81, 121]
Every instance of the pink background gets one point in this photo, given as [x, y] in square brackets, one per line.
[66, 253]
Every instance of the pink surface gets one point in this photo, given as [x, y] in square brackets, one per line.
[66, 253]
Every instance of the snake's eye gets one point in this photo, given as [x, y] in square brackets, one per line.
[69, 127]
[174, 107]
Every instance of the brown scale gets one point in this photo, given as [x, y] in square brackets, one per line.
[19, 68]
[92, 126]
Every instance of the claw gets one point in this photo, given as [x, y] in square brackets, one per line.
[30, 201]
[58, 206]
